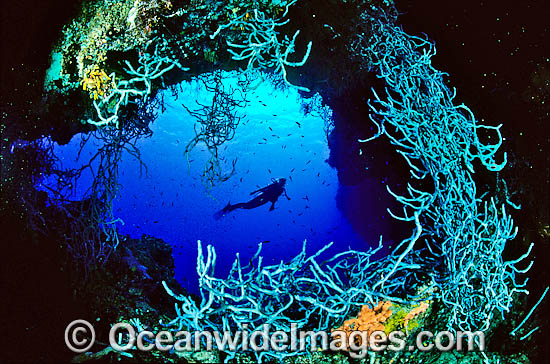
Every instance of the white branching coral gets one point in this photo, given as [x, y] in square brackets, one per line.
[262, 47]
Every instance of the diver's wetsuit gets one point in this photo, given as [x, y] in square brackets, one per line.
[266, 194]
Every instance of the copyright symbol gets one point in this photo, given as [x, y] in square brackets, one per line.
[79, 336]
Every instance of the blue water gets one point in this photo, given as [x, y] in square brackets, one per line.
[169, 201]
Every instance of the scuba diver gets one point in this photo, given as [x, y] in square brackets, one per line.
[266, 194]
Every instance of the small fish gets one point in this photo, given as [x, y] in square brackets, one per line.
[299, 125]
[270, 128]
[305, 198]
[290, 178]
[241, 179]
[319, 174]
[292, 170]
[308, 162]
[269, 170]
[155, 222]
[265, 242]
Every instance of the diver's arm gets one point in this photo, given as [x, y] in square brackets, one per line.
[259, 190]
[288, 198]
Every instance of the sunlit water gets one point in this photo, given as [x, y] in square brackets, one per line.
[169, 201]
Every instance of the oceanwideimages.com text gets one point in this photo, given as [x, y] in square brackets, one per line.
[125, 337]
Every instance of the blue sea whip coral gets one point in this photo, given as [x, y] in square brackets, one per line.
[262, 47]
[465, 232]
[440, 140]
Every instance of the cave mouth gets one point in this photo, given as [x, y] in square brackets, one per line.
[280, 135]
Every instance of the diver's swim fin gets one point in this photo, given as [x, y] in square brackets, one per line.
[218, 215]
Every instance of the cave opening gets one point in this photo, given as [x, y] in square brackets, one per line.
[280, 134]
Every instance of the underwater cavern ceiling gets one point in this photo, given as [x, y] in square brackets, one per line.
[267, 166]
